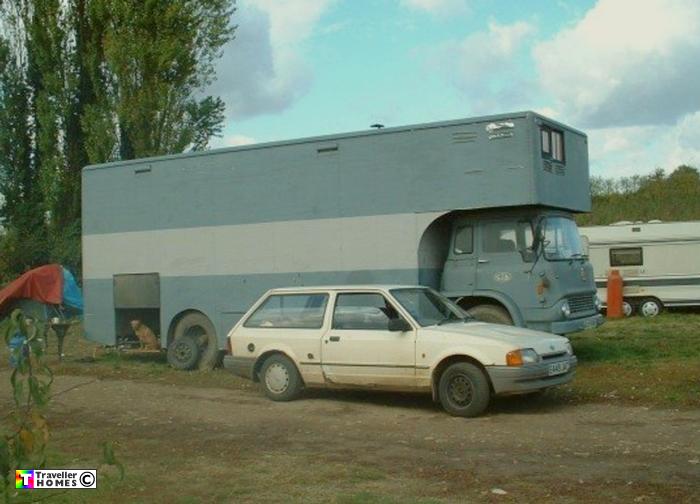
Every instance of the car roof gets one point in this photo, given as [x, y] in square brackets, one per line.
[316, 288]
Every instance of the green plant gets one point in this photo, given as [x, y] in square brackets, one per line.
[25, 445]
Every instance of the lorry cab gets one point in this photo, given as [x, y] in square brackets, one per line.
[525, 268]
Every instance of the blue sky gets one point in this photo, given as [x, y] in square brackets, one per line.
[624, 71]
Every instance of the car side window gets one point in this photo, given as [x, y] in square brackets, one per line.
[290, 311]
[363, 311]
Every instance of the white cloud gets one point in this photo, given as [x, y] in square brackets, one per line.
[436, 6]
[263, 70]
[235, 140]
[626, 62]
[484, 65]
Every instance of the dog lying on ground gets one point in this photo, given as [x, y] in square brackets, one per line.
[148, 340]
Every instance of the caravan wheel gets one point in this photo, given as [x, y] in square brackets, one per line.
[627, 309]
[650, 307]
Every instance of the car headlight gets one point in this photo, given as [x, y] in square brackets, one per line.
[566, 309]
[569, 349]
[522, 356]
[598, 303]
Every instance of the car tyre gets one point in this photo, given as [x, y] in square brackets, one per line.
[464, 390]
[197, 326]
[490, 313]
[650, 307]
[184, 353]
[280, 378]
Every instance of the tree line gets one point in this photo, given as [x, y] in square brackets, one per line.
[92, 81]
[668, 197]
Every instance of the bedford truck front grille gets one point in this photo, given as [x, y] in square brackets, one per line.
[581, 303]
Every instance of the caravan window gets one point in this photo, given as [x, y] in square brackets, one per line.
[626, 257]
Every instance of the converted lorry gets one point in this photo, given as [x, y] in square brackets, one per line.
[479, 209]
[658, 261]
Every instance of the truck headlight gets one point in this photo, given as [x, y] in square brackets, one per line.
[522, 356]
[566, 309]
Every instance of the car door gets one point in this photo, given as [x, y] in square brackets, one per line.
[359, 349]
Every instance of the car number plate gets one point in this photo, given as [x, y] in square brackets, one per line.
[558, 368]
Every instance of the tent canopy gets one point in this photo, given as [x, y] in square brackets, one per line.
[50, 284]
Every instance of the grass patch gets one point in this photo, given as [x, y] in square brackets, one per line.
[652, 362]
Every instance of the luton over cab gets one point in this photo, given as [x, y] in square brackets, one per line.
[479, 209]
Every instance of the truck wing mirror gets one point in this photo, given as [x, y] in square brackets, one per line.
[527, 254]
[399, 325]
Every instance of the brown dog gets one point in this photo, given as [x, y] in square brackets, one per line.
[146, 337]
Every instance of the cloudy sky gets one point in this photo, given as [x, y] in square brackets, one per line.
[627, 72]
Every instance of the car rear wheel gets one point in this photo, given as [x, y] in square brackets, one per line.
[280, 378]
[490, 313]
[464, 390]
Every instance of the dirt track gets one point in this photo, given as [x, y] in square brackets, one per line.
[531, 448]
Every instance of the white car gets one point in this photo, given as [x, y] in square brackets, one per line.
[390, 338]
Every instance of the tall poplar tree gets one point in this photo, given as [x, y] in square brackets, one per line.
[89, 81]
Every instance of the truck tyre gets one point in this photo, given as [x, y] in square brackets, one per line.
[183, 353]
[490, 313]
[464, 390]
[280, 378]
[650, 307]
[198, 326]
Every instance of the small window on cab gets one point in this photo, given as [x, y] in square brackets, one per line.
[629, 256]
[290, 311]
[464, 240]
[552, 144]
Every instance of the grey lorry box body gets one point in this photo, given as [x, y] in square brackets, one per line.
[211, 231]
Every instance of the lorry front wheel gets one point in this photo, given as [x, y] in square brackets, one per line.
[197, 326]
[464, 390]
[490, 313]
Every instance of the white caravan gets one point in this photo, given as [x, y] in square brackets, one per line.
[659, 262]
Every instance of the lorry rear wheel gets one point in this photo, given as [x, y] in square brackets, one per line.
[197, 326]
[490, 313]
[464, 390]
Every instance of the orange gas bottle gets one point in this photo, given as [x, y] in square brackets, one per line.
[614, 294]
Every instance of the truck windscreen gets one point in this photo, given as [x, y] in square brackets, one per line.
[561, 239]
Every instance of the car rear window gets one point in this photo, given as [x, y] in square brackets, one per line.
[290, 311]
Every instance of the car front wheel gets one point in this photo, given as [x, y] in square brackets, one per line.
[280, 378]
[464, 390]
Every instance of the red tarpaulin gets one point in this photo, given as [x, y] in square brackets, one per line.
[44, 284]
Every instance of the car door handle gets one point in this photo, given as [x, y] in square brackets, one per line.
[334, 338]
[483, 261]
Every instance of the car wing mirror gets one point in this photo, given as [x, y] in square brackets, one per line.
[399, 325]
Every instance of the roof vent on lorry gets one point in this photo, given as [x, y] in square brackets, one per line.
[654, 221]
[622, 223]
[463, 137]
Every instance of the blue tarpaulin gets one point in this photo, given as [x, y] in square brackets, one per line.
[72, 297]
